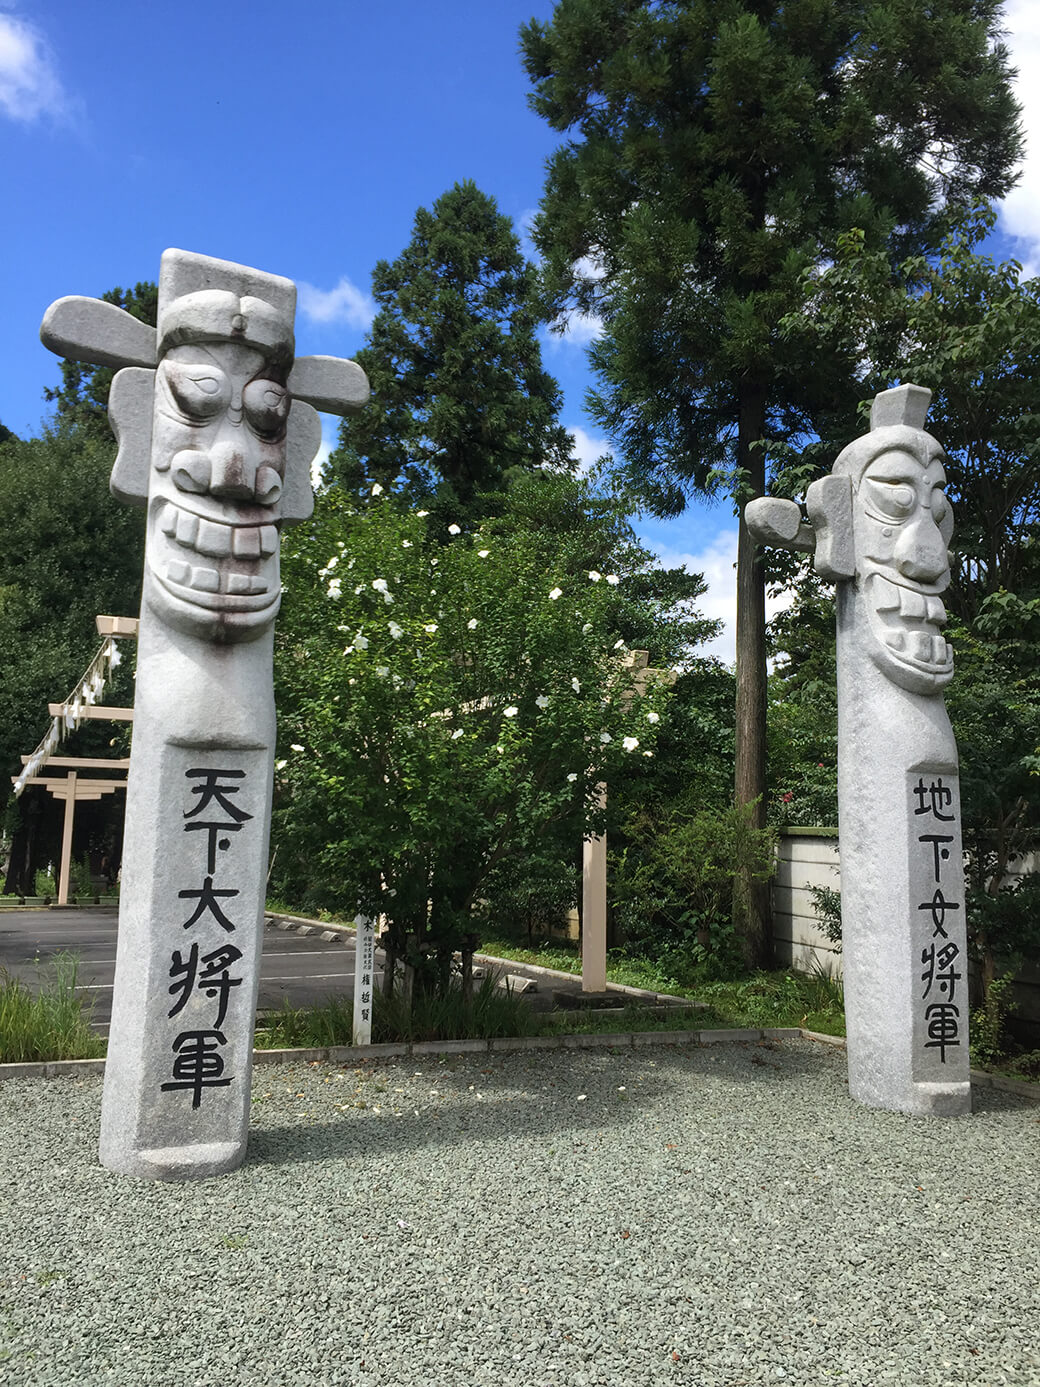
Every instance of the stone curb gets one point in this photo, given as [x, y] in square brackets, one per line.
[346, 1054]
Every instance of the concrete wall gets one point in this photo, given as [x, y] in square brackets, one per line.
[809, 857]
[805, 857]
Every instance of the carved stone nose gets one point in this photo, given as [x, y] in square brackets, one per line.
[232, 475]
[921, 551]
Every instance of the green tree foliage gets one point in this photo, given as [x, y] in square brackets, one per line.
[71, 551]
[717, 151]
[460, 402]
[969, 329]
[448, 708]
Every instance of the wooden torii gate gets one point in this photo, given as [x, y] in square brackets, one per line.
[73, 788]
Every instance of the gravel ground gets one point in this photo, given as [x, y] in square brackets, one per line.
[719, 1217]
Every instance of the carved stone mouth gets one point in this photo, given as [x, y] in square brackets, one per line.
[198, 564]
[907, 621]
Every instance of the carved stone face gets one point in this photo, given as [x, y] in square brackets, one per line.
[902, 526]
[218, 464]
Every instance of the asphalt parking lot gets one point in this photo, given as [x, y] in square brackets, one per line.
[300, 969]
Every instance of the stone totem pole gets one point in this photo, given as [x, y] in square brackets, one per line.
[881, 526]
[217, 430]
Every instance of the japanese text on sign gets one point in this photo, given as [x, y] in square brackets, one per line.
[204, 969]
[932, 803]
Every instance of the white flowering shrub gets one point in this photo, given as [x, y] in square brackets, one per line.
[456, 704]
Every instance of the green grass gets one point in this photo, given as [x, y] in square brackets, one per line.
[628, 1018]
[492, 1012]
[52, 1025]
[776, 998]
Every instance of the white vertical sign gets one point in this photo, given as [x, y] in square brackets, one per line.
[364, 978]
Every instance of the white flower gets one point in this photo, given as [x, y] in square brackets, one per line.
[456, 734]
[576, 685]
[359, 590]
[541, 701]
[619, 645]
[605, 737]
[422, 513]
[586, 628]
[382, 671]
[280, 765]
[630, 743]
[430, 627]
[653, 717]
[335, 589]
[406, 544]
[483, 553]
[556, 592]
[348, 650]
[379, 584]
[648, 753]
[594, 576]
[396, 632]
[613, 579]
[377, 490]
[471, 625]
[454, 529]
[295, 747]
[573, 777]
[361, 642]
[512, 711]
[324, 572]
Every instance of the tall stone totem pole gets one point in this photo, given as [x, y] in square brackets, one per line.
[881, 526]
[217, 430]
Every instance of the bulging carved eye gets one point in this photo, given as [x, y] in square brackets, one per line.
[892, 500]
[200, 391]
[266, 404]
[940, 505]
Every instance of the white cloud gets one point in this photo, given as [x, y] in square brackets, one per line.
[587, 449]
[718, 564]
[344, 304]
[29, 85]
[1020, 210]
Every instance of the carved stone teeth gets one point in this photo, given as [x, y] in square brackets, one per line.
[268, 540]
[213, 540]
[238, 583]
[896, 639]
[886, 595]
[936, 612]
[177, 572]
[940, 647]
[922, 647]
[187, 528]
[257, 584]
[168, 520]
[912, 603]
[949, 653]
[205, 579]
[245, 542]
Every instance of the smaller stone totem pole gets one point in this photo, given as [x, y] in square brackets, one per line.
[881, 526]
[217, 430]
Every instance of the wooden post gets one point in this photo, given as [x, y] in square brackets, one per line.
[66, 839]
[594, 907]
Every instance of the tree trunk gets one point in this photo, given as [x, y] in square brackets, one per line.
[750, 897]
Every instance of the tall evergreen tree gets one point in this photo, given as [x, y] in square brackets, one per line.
[719, 149]
[459, 397]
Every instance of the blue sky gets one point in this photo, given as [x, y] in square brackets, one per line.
[300, 139]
